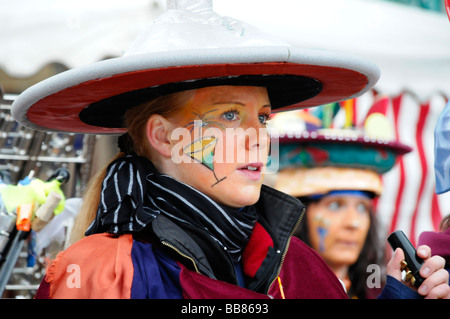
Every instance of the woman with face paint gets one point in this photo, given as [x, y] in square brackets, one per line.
[336, 173]
[181, 212]
[340, 225]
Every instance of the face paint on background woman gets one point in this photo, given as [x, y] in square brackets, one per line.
[322, 230]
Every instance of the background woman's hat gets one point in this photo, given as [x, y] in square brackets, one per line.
[315, 158]
[187, 47]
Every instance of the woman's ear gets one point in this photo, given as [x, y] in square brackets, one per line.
[158, 132]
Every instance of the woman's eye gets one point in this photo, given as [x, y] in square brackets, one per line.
[362, 208]
[263, 118]
[230, 115]
[334, 206]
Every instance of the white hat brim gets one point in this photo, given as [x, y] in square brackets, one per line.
[55, 103]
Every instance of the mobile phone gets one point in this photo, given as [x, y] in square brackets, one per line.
[413, 263]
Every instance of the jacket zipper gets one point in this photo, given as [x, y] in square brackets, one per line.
[165, 243]
[286, 250]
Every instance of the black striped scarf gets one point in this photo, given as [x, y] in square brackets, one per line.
[134, 194]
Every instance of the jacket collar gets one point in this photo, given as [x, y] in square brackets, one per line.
[279, 215]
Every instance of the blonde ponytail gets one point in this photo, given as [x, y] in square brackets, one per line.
[135, 121]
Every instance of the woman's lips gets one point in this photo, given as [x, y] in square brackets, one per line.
[348, 243]
[251, 170]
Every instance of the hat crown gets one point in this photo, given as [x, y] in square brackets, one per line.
[188, 25]
[334, 121]
[318, 138]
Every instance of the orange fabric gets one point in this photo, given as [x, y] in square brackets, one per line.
[98, 266]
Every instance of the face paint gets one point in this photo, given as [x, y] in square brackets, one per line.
[339, 224]
[202, 149]
[322, 230]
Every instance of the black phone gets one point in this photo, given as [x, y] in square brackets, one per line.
[413, 262]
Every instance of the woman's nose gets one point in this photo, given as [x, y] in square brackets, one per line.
[352, 219]
[251, 141]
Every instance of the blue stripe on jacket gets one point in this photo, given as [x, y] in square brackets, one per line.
[156, 276]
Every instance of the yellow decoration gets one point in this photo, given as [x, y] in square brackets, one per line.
[35, 192]
[378, 126]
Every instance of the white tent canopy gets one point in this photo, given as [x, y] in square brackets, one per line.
[71, 32]
[411, 45]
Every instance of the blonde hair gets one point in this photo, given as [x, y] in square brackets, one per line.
[135, 121]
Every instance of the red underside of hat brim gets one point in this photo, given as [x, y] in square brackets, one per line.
[60, 111]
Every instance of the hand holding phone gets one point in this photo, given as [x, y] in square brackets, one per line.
[413, 263]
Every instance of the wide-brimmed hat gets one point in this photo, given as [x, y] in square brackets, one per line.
[315, 160]
[187, 47]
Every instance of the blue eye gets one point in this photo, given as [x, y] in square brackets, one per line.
[334, 206]
[264, 118]
[230, 115]
[362, 208]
